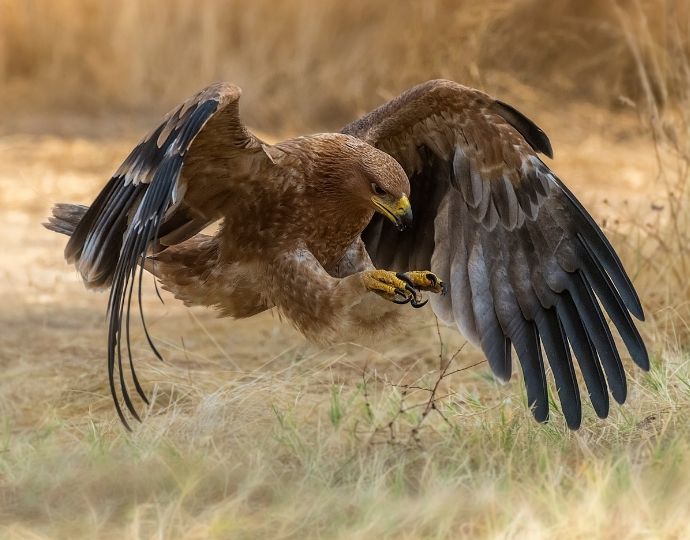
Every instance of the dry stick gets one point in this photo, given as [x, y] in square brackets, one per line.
[465, 368]
[389, 426]
[429, 405]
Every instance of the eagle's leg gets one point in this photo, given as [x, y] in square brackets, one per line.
[392, 286]
[402, 288]
[329, 308]
[389, 286]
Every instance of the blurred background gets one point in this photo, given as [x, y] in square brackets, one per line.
[314, 65]
[82, 80]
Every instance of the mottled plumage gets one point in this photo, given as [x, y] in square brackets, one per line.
[520, 263]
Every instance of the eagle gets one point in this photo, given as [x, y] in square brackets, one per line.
[440, 193]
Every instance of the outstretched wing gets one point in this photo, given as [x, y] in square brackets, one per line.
[168, 189]
[526, 266]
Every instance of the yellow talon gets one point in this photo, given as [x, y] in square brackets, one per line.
[388, 285]
[402, 288]
[424, 281]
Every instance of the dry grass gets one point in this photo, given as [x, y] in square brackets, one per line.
[307, 65]
[253, 433]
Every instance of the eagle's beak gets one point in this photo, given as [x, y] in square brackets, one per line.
[398, 211]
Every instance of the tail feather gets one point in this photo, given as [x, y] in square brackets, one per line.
[65, 218]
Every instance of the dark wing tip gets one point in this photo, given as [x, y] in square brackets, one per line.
[642, 360]
[540, 413]
[532, 133]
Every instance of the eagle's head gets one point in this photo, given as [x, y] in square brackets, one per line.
[378, 182]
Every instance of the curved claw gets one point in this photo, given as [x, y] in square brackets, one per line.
[415, 297]
[435, 281]
[405, 298]
[406, 279]
[423, 281]
[415, 304]
[409, 288]
[404, 288]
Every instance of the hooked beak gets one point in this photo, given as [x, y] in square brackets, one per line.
[398, 211]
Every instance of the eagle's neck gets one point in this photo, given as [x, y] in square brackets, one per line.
[333, 226]
[320, 169]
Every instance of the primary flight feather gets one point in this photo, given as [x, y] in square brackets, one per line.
[441, 190]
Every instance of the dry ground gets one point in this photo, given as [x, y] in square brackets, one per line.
[253, 433]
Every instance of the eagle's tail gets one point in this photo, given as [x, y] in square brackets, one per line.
[65, 218]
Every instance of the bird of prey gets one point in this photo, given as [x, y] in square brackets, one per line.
[439, 190]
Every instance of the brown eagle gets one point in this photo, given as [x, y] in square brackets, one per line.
[321, 227]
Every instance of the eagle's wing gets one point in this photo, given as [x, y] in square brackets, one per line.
[525, 264]
[169, 187]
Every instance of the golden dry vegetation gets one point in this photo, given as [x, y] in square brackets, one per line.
[253, 433]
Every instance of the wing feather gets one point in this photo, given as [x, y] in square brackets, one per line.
[530, 131]
[586, 354]
[158, 196]
[526, 266]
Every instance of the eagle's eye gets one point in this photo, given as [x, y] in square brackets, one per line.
[377, 189]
